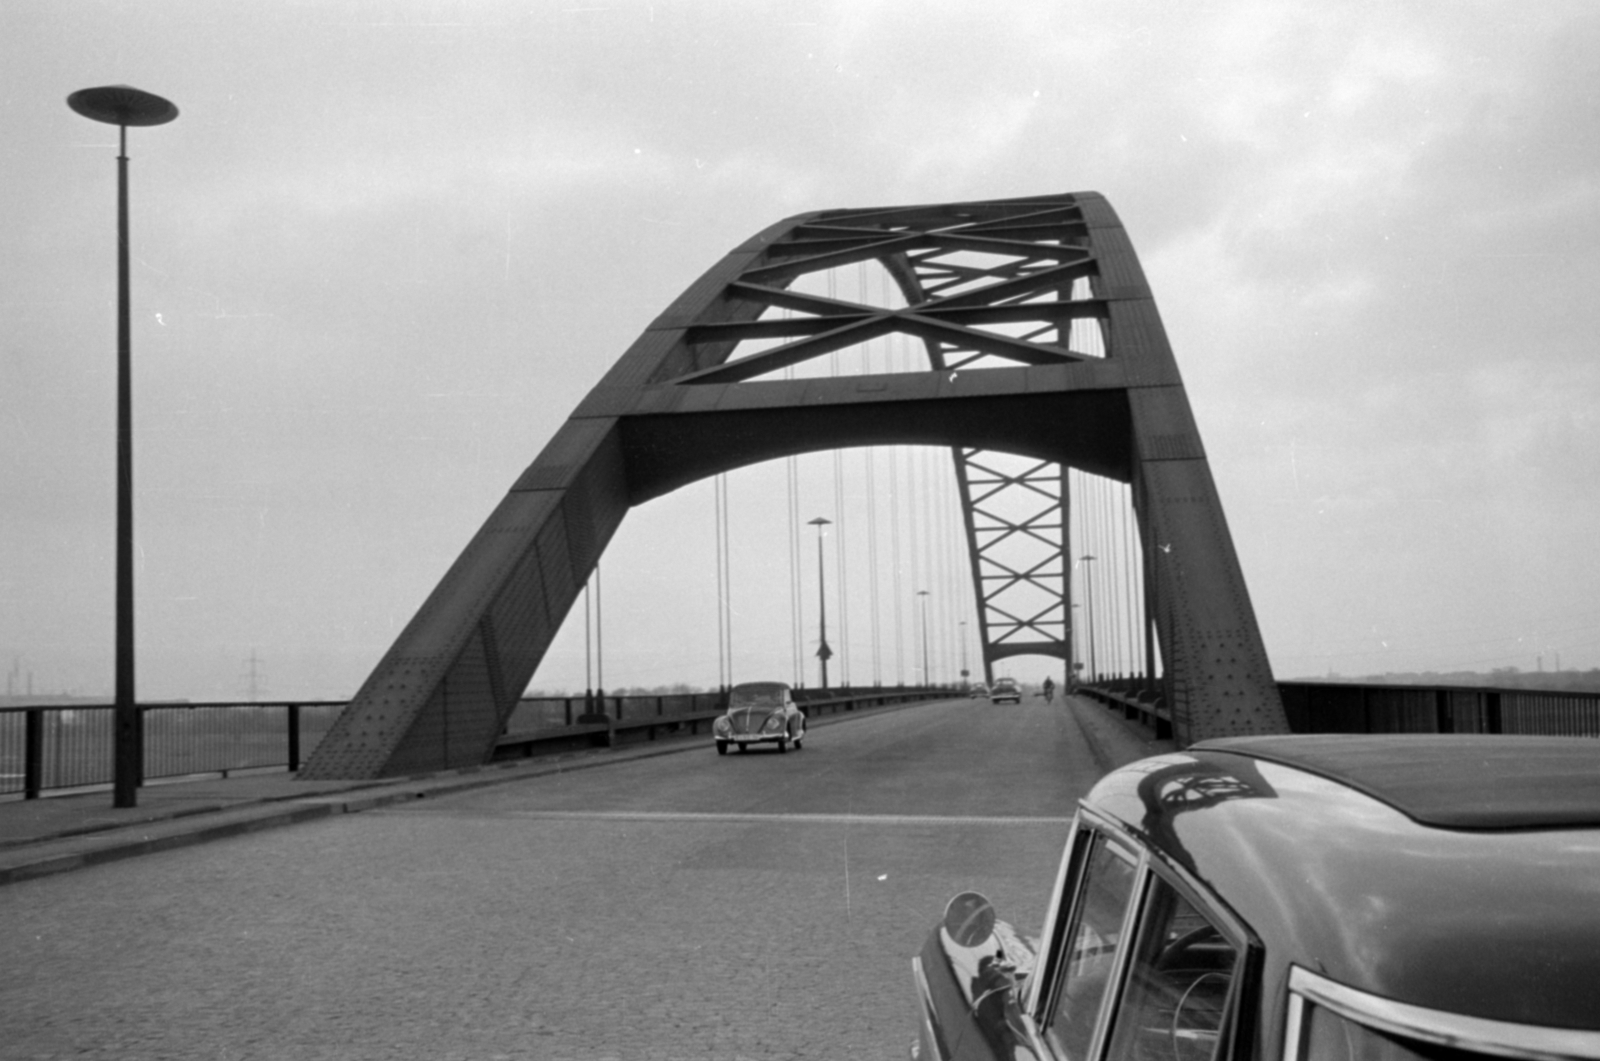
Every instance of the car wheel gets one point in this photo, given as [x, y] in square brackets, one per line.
[743, 747]
[783, 746]
[722, 747]
[798, 739]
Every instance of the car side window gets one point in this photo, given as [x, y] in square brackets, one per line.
[1179, 975]
[1095, 938]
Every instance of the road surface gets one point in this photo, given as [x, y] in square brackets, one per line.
[687, 906]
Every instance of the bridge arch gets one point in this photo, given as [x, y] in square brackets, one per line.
[1041, 338]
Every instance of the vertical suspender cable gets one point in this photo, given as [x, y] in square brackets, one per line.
[842, 567]
[727, 580]
[871, 457]
[1105, 569]
[1131, 555]
[794, 573]
[716, 527]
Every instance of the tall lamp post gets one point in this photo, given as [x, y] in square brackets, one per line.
[927, 676]
[1088, 610]
[824, 653]
[122, 106]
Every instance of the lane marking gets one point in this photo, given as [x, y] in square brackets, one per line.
[824, 819]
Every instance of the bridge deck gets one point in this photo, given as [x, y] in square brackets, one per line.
[674, 904]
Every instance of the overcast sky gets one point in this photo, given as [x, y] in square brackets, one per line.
[387, 247]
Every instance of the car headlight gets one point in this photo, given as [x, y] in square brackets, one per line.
[721, 727]
[773, 724]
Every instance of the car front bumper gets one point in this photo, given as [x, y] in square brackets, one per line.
[755, 738]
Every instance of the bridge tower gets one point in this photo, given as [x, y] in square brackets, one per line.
[1016, 282]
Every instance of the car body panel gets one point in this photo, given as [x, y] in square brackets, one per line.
[1380, 903]
[760, 713]
[1314, 879]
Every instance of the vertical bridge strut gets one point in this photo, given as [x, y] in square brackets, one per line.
[1042, 341]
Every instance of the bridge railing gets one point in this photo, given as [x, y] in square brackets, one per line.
[1348, 707]
[1353, 707]
[70, 746]
[66, 746]
[1132, 698]
[547, 723]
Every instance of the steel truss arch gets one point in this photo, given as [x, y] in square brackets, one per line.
[1043, 340]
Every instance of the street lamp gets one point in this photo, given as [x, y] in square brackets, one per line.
[122, 106]
[927, 677]
[824, 653]
[1088, 610]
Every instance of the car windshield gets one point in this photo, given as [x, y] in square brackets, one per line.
[1005, 683]
[757, 695]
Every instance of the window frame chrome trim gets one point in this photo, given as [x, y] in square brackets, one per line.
[1044, 994]
[1069, 876]
[1527, 1042]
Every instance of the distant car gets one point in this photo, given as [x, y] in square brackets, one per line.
[1005, 689]
[978, 690]
[760, 713]
[1324, 898]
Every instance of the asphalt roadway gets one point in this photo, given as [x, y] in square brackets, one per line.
[677, 906]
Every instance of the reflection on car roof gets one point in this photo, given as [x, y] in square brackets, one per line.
[1451, 781]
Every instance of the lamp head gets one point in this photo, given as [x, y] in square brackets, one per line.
[122, 105]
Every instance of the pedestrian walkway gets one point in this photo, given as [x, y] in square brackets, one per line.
[64, 832]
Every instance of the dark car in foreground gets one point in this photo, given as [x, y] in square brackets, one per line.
[1320, 898]
[760, 713]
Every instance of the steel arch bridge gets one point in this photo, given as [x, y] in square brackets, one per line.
[1042, 340]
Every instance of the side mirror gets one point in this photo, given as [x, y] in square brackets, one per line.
[969, 919]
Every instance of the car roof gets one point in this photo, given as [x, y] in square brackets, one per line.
[760, 687]
[1453, 781]
[1373, 861]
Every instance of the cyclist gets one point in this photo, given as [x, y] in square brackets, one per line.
[1049, 690]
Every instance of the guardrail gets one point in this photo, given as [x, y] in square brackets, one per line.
[52, 747]
[1133, 707]
[1353, 707]
[1340, 707]
[59, 747]
[644, 718]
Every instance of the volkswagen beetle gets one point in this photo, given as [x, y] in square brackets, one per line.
[760, 713]
[1319, 898]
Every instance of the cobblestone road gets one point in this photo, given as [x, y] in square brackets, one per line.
[682, 907]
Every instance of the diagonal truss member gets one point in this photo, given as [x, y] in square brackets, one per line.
[1019, 561]
[1042, 341]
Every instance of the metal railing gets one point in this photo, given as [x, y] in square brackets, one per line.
[59, 747]
[1352, 707]
[606, 720]
[52, 747]
[1339, 707]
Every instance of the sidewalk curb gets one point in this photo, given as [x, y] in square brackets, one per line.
[78, 849]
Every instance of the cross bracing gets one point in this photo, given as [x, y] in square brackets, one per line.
[1039, 338]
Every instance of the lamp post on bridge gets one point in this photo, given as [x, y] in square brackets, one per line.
[122, 106]
[824, 653]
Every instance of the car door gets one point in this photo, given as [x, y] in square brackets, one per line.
[1139, 966]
